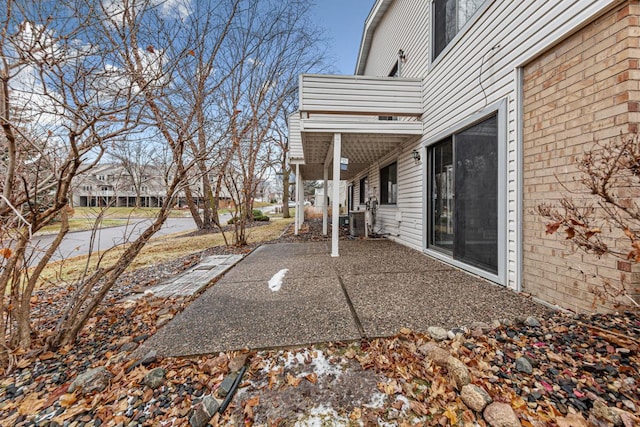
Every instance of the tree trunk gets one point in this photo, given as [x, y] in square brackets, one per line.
[193, 208]
[285, 191]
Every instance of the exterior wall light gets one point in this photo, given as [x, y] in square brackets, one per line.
[416, 155]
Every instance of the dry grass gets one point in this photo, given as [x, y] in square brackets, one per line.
[121, 212]
[81, 224]
[158, 250]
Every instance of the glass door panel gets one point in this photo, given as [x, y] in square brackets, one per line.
[476, 180]
[442, 207]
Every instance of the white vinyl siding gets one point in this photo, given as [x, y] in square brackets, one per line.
[501, 37]
[360, 94]
[404, 26]
[521, 30]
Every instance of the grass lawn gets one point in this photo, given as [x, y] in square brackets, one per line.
[161, 249]
[81, 224]
[121, 212]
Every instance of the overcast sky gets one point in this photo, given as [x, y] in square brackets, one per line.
[343, 21]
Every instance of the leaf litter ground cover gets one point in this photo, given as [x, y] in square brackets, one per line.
[564, 370]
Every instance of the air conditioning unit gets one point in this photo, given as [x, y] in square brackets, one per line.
[356, 224]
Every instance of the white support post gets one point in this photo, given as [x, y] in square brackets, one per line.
[300, 210]
[325, 204]
[296, 228]
[335, 220]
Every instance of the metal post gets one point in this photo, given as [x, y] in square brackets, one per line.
[335, 211]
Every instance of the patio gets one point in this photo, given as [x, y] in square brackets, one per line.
[372, 290]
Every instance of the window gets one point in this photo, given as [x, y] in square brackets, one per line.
[364, 190]
[389, 184]
[449, 16]
[463, 184]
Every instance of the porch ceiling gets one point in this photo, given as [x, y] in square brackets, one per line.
[362, 149]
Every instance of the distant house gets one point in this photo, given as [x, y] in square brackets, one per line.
[112, 185]
[461, 118]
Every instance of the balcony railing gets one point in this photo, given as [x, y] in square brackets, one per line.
[360, 95]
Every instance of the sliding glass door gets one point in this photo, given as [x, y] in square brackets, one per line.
[464, 195]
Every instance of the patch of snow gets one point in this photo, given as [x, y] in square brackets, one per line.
[378, 400]
[323, 367]
[275, 283]
[319, 363]
[405, 404]
[321, 416]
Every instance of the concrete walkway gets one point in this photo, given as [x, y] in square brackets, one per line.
[373, 289]
[193, 280]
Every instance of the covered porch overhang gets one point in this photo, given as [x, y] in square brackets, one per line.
[357, 118]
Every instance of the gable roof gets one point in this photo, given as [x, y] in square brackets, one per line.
[371, 23]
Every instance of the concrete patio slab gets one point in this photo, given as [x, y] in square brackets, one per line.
[374, 289]
[236, 315]
[415, 300]
[267, 260]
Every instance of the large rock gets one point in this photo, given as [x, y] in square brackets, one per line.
[458, 372]
[93, 380]
[436, 354]
[603, 412]
[438, 334]
[532, 322]
[523, 365]
[476, 398]
[500, 414]
[204, 411]
[154, 378]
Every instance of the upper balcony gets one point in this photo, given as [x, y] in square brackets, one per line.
[360, 95]
[373, 115]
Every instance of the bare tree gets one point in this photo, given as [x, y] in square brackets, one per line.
[260, 91]
[59, 107]
[608, 215]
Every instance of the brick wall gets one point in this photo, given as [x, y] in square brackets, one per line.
[584, 89]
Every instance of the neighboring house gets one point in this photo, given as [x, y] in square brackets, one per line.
[112, 185]
[462, 117]
[109, 184]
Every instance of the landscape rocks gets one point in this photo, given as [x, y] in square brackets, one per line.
[438, 333]
[523, 365]
[238, 362]
[203, 412]
[500, 414]
[532, 322]
[93, 380]
[476, 398]
[154, 378]
[458, 372]
[436, 354]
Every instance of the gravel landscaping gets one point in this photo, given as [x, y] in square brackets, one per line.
[549, 369]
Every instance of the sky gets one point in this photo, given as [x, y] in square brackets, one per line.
[343, 21]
